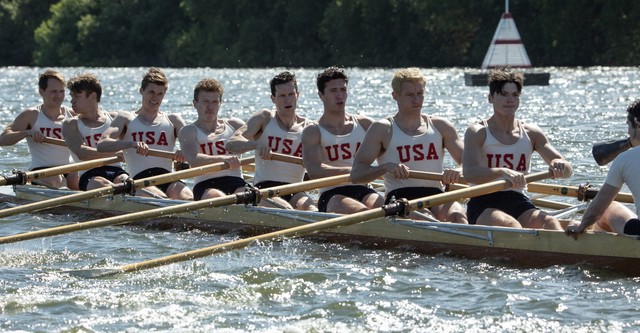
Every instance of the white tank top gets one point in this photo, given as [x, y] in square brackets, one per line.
[283, 142]
[340, 150]
[214, 145]
[44, 154]
[423, 152]
[516, 156]
[91, 135]
[159, 136]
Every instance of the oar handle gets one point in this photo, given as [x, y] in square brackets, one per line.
[286, 158]
[152, 152]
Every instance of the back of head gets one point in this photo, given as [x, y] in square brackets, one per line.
[284, 77]
[633, 112]
[330, 73]
[210, 85]
[412, 74]
[500, 76]
[43, 79]
[156, 76]
[87, 83]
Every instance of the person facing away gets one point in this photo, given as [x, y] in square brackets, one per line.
[329, 147]
[501, 148]
[203, 142]
[276, 131]
[44, 121]
[82, 132]
[411, 140]
[148, 128]
[609, 215]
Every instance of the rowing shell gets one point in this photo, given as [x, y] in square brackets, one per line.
[525, 247]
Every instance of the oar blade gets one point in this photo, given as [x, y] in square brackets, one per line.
[605, 152]
[94, 273]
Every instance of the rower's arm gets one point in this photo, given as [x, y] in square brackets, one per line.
[75, 142]
[244, 139]
[452, 142]
[112, 139]
[191, 149]
[472, 167]
[372, 146]
[560, 167]
[312, 155]
[20, 128]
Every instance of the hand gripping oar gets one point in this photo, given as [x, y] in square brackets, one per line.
[605, 152]
[128, 187]
[399, 208]
[249, 197]
[582, 193]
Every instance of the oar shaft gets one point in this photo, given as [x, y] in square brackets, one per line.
[341, 221]
[177, 209]
[54, 171]
[573, 191]
[109, 190]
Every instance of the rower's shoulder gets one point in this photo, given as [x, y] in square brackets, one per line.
[364, 121]
[236, 123]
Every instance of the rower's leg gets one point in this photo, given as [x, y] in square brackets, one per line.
[303, 201]
[495, 217]
[615, 217]
[538, 219]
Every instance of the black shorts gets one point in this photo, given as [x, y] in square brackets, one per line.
[66, 175]
[357, 192]
[155, 172]
[271, 183]
[512, 203]
[227, 184]
[109, 172]
[411, 193]
[632, 227]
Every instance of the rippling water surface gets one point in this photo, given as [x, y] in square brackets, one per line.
[302, 285]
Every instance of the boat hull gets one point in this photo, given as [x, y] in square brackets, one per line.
[523, 247]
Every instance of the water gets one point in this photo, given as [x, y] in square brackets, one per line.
[305, 286]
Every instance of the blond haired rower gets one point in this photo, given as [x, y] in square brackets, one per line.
[411, 140]
[41, 121]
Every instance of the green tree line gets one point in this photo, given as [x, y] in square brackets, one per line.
[311, 33]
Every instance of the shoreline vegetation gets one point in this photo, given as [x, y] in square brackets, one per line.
[300, 33]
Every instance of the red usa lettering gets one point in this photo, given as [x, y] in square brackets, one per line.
[208, 148]
[55, 133]
[285, 148]
[89, 140]
[416, 152]
[506, 161]
[151, 138]
[341, 151]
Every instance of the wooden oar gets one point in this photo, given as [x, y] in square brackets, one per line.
[249, 197]
[582, 194]
[127, 187]
[23, 177]
[342, 221]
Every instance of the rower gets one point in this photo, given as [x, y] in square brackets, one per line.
[411, 140]
[148, 128]
[278, 131]
[609, 215]
[42, 121]
[82, 132]
[328, 147]
[501, 147]
[203, 142]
